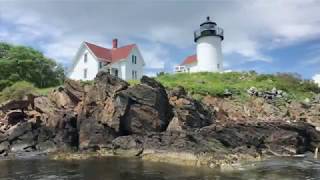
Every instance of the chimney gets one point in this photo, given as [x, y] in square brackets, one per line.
[115, 43]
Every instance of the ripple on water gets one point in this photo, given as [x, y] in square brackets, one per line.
[134, 169]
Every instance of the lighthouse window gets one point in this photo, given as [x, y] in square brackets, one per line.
[218, 66]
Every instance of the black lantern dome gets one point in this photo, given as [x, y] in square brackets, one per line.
[208, 28]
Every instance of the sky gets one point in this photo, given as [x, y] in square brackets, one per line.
[267, 36]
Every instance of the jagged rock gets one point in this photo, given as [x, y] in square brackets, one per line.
[60, 98]
[188, 114]
[13, 117]
[148, 109]
[18, 130]
[93, 135]
[43, 104]
[74, 90]
[14, 105]
[109, 84]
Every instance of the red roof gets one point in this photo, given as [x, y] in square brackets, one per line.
[190, 60]
[110, 55]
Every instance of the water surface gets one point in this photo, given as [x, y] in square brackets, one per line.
[135, 169]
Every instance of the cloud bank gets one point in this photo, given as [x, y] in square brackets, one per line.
[252, 28]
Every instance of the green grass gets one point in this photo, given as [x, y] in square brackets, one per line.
[20, 89]
[44, 91]
[215, 83]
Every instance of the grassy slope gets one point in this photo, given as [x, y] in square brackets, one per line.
[215, 83]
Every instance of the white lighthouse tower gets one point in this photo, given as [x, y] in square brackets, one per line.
[209, 53]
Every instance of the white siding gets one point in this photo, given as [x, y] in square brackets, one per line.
[191, 67]
[77, 72]
[134, 67]
[209, 54]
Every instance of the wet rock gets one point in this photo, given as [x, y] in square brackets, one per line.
[4, 147]
[128, 145]
[47, 146]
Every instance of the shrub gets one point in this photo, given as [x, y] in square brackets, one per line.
[17, 91]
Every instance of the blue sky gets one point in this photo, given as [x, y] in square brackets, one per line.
[267, 36]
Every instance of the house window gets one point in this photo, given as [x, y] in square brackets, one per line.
[116, 72]
[100, 65]
[134, 59]
[134, 75]
[85, 73]
[85, 57]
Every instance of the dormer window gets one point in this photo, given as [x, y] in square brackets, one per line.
[85, 58]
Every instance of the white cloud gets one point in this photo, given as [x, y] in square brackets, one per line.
[316, 79]
[251, 27]
[155, 56]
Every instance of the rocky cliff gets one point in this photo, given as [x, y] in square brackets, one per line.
[148, 121]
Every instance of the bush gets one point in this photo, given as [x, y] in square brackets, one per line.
[20, 63]
[17, 91]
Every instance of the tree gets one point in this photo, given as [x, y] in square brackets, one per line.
[19, 63]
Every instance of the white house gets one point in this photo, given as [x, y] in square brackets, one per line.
[125, 62]
[209, 53]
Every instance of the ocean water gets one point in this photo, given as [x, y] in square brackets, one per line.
[135, 169]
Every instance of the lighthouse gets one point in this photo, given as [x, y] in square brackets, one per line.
[209, 53]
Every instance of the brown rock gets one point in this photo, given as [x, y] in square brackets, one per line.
[74, 90]
[60, 98]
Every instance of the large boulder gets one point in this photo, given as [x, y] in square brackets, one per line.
[148, 110]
